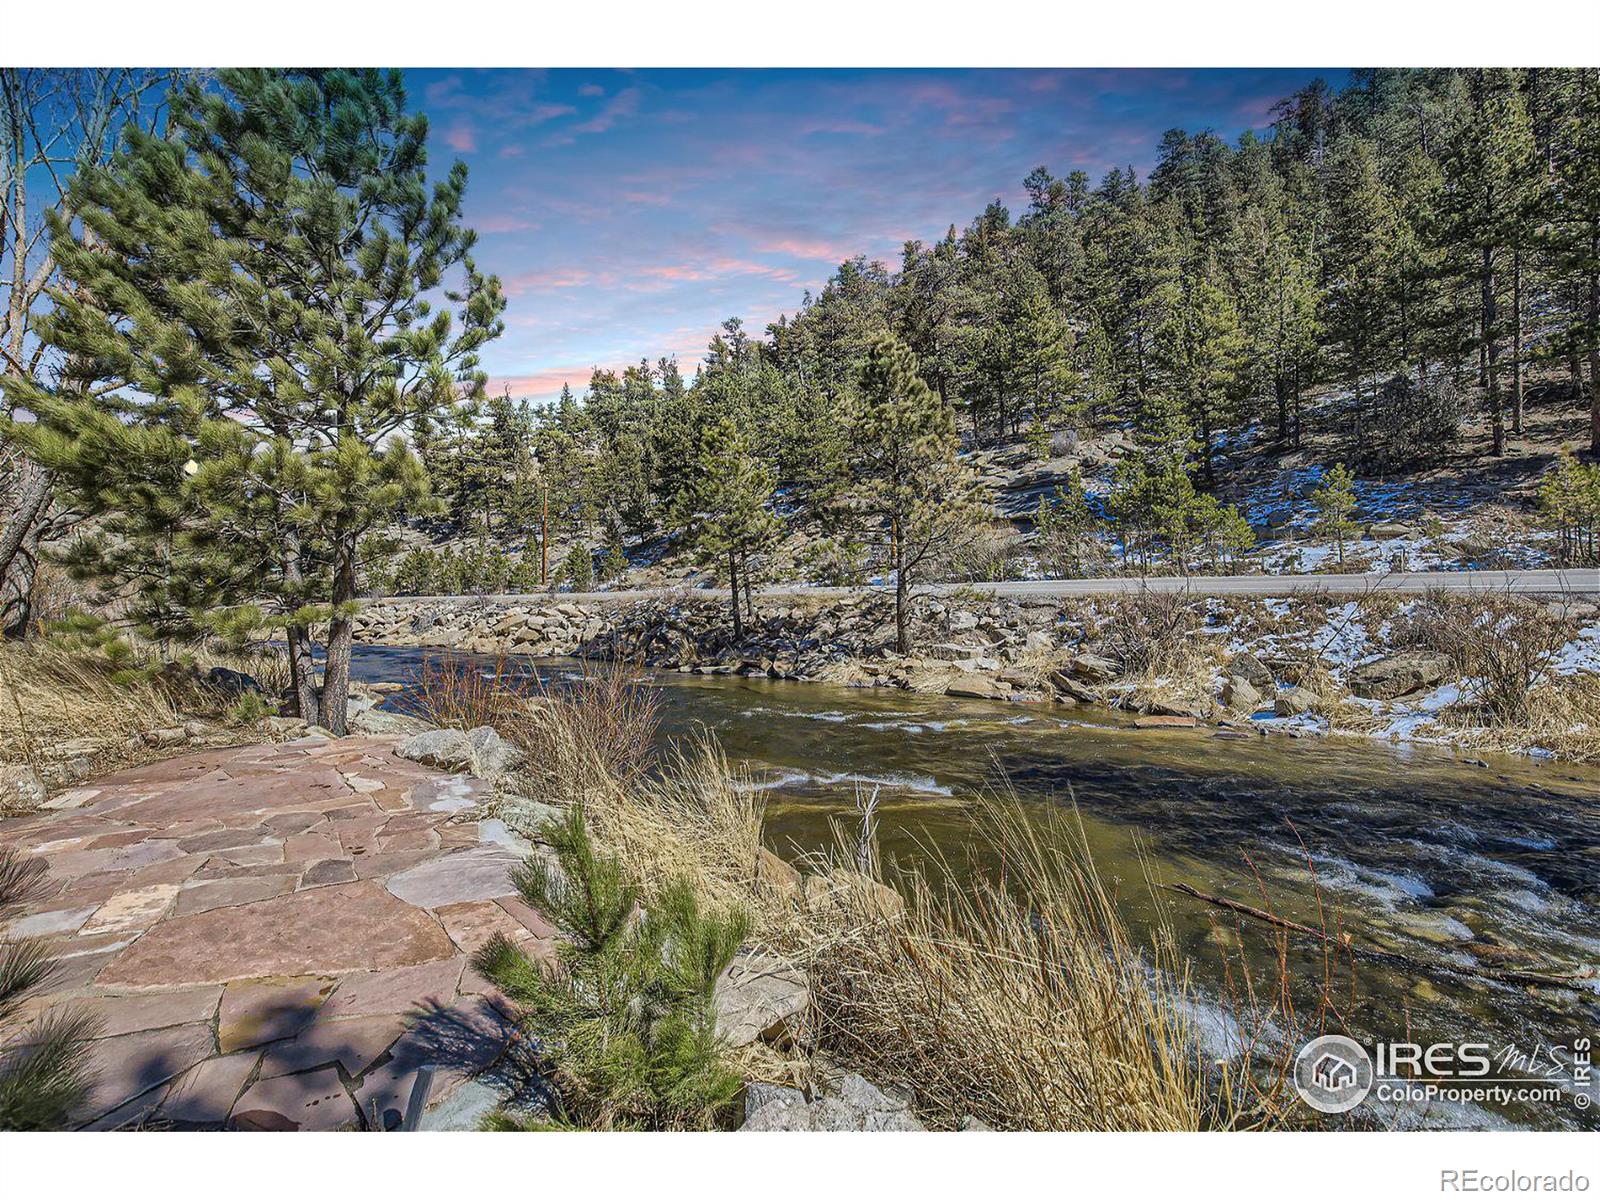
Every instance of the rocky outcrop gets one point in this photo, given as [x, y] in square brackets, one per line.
[1398, 675]
[21, 790]
[847, 1104]
[481, 752]
[762, 997]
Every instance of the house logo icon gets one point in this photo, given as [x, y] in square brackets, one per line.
[1332, 1074]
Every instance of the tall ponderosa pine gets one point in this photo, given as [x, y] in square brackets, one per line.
[263, 281]
[907, 488]
[724, 509]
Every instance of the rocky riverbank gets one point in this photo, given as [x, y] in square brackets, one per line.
[1303, 665]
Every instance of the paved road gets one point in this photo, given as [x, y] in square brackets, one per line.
[1550, 582]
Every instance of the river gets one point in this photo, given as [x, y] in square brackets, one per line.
[1420, 851]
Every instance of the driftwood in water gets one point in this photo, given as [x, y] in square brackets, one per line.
[1347, 942]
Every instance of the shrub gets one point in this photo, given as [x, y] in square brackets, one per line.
[44, 1068]
[1569, 502]
[628, 1006]
[1504, 644]
[1148, 633]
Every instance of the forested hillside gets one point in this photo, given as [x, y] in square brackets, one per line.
[1416, 258]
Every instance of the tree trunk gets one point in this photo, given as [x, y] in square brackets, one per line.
[341, 635]
[733, 595]
[303, 675]
[22, 528]
[902, 639]
[1516, 343]
[1489, 356]
[1594, 354]
[544, 537]
[16, 587]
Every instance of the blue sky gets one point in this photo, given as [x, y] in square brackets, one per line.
[630, 212]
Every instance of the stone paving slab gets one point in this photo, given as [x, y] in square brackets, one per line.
[275, 936]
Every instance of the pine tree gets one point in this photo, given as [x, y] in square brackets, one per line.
[264, 273]
[1489, 175]
[724, 511]
[631, 1004]
[1334, 501]
[907, 487]
[1201, 354]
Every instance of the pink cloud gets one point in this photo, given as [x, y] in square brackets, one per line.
[816, 249]
[591, 89]
[621, 106]
[503, 223]
[459, 137]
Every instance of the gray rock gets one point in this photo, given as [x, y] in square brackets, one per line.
[761, 997]
[759, 1095]
[21, 790]
[232, 684]
[848, 1104]
[979, 687]
[1094, 667]
[1398, 675]
[447, 749]
[378, 722]
[1240, 695]
[1294, 702]
[492, 755]
[1250, 668]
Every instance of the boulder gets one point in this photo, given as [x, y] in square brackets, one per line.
[759, 996]
[1074, 689]
[377, 722]
[21, 790]
[853, 894]
[1295, 701]
[1239, 694]
[232, 684]
[978, 687]
[1398, 674]
[848, 1104]
[777, 877]
[758, 1095]
[165, 738]
[480, 752]
[447, 749]
[1094, 667]
[1255, 672]
[492, 755]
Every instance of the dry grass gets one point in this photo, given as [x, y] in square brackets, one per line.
[1506, 643]
[1019, 999]
[64, 698]
[50, 695]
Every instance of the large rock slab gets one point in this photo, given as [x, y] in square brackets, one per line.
[316, 1100]
[131, 1065]
[402, 990]
[153, 1010]
[259, 1011]
[206, 1094]
[481, 873]
[330, 930]
[848, 1105]
[759, 996]
[1398, 675]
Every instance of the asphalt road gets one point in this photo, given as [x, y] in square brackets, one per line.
[1580, 582]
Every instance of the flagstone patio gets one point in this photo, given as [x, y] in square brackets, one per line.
[276, 936]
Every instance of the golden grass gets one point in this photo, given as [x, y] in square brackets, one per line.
[63, 699]
[1019, 998]
[50, 694]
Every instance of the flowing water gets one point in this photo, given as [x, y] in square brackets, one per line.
[1419, 851]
